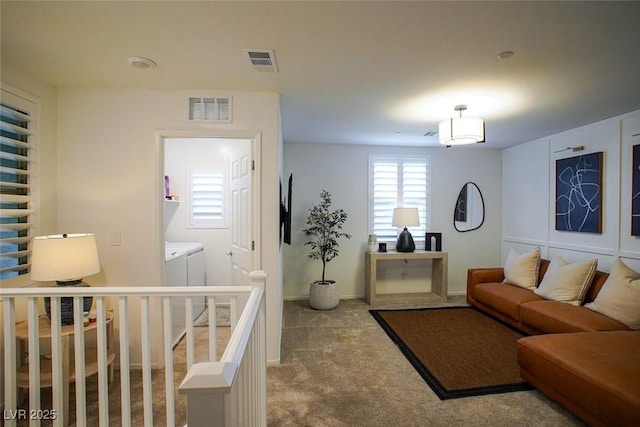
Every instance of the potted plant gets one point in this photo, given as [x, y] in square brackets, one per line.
[324, 227]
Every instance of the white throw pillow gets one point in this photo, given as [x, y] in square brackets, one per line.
[522, 269]
[567, 282]
[619, 297]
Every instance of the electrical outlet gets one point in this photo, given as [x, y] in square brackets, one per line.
[115, 238]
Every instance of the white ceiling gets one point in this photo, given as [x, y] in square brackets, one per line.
[353, 72]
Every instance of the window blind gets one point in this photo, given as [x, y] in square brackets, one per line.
[398, 181]
[207, 205]
[17, 152]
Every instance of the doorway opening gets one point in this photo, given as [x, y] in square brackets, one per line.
[209, 204]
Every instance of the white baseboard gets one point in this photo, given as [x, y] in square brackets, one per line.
[306, 297]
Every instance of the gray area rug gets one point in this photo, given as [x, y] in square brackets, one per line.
[223, 316]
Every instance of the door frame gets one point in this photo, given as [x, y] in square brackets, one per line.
[256, 187]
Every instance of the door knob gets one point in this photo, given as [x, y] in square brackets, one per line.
[228, 253]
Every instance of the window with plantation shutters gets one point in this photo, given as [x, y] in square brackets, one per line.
[398, 181]
[208, 206]
[17, 152]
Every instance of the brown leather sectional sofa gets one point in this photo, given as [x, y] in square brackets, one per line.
[587, 362]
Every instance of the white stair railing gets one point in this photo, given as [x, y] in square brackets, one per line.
[65, 366]
[232, 392]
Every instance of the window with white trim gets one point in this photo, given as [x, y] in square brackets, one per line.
[17, 153]
[398, 181]
[208, 198]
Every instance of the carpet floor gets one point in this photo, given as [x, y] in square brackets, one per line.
[339, 368]
[459, 351]
[223, 317]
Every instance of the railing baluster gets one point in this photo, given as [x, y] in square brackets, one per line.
[146, 364]
[103, 375]
[251, 395]
[33, 347]
[78, 327]
[168, 361]
[262, 327]
[213, 333]
[233, 311]
[189, 332]
[10, 362]
[125, 383]
[59, 368]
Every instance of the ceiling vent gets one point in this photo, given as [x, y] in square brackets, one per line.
[262, 60]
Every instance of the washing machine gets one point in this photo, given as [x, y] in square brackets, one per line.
[193, 274]
[175, 274]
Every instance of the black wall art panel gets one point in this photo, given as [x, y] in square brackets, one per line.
[461, 206]
[579, 193]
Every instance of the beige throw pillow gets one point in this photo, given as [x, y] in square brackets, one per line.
[619, 297]
[522, 269]
[565, 282]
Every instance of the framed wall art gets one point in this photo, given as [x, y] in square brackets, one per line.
[579, 193]
[635, 192]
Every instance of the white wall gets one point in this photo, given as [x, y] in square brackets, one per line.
[110, 171]
[528, 198]
[343, 171]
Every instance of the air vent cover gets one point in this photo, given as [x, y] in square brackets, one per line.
[211, 109]
[262, 60]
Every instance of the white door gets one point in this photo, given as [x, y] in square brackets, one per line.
[241, 253]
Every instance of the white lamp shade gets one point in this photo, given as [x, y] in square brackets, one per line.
[405, 217]
[461, 131]
[64, 257]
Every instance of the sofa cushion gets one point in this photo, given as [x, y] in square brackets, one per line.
[619, 297]
[555, 317]
[595, 374]
[504, 298]
[567, 282]
[522, 269]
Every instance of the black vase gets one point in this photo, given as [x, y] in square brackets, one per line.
[405, 242]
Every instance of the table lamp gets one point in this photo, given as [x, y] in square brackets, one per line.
[405, 217]
[65, 258]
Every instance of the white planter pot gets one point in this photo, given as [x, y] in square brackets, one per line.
[324, 295]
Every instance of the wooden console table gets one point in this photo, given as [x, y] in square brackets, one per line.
[438, 273]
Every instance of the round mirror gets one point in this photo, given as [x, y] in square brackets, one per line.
[468, 214]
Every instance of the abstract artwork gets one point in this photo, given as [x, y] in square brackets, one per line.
[461, 206]
[579, 193]
[635, 192]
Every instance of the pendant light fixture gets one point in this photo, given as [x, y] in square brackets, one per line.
[461, 130]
